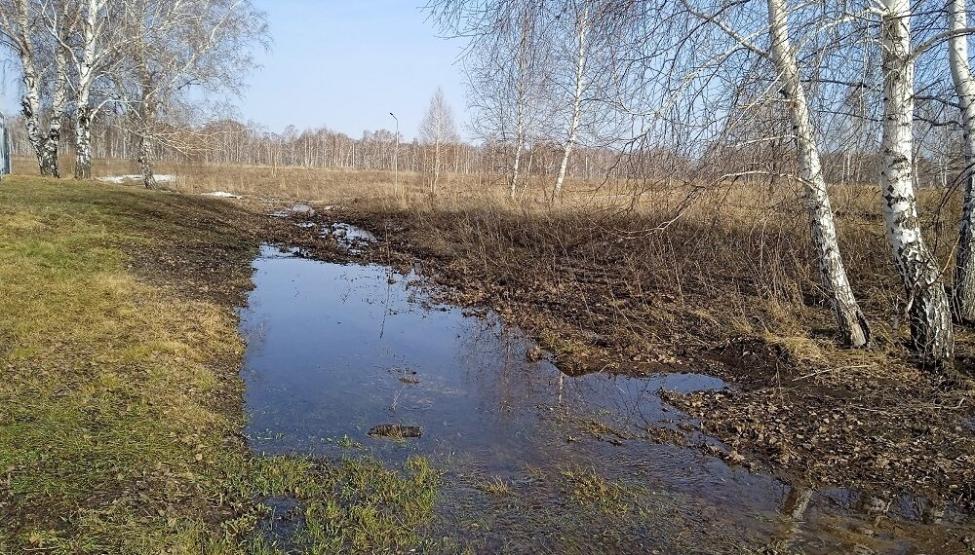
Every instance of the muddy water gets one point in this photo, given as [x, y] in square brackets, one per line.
[335, 350]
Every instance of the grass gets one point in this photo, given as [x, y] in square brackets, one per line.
[120, 407]
[591, 490]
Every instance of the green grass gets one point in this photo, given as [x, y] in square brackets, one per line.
[120, 403]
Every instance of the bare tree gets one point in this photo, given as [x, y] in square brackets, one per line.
[437, 130]
[60, 18]
[581, 16]
[20, 27]
[961, 74]
[508, 68]
[93, 47]
[929, 310]
[850, 320]
[179, 48]
[726, 42]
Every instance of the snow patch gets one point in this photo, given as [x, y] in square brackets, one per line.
[119, 179]
[221, 194]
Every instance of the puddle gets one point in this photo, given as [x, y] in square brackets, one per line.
[336, 351]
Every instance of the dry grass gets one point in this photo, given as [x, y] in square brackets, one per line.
[737, 258]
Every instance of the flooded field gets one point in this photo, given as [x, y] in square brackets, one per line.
[357, 361]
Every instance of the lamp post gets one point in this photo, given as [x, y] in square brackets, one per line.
[396, 155]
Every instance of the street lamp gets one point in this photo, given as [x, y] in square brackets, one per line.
[396, 155]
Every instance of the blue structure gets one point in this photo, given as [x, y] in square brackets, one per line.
[4, 147]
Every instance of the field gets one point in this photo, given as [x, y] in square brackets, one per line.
[97, 284]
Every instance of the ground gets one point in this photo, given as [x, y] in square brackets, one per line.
[120, 411]
[802, 408]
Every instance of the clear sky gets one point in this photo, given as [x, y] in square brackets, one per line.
[344, 64]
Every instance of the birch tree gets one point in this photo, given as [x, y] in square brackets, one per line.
[928, 307]
[964, 83]
[60, 17]
[743, 28]
[19, 24]
[93, 50]
[437, 130]
[523, 82]
[582, 23]
[851, 323]
[179, 48]
[509, 68]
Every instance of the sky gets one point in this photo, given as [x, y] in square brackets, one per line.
[344, 64]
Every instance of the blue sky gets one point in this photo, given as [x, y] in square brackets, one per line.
[344, 64]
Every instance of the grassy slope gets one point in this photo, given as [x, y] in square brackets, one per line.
[120, 402]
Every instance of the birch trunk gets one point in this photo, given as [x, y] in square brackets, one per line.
[145, 162]
[30, 102]
[515, 169]
[82, 143]
[436, 167]
[961, 74]
[519, 137]
[582, 36]
[928, 307]
[86, 74]
[851, 323]
[52, 142]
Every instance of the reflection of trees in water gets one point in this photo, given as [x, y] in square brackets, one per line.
[794, 514]
[844, 506]
[493, 358]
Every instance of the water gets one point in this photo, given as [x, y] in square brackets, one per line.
[334, 350]
[337, 349]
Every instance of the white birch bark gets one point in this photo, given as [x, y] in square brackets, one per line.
[30, 106]
[961, 74]
[17, 25]
[852, 325]
[145, 162]
[582, 37]
[52, 142]
[515, 170]
[525, 75]
[86, 65]
[929, 310]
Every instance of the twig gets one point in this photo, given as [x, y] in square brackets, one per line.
[826, 370]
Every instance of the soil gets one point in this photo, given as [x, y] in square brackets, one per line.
[867, 421]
